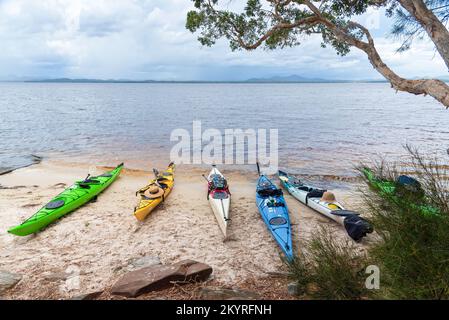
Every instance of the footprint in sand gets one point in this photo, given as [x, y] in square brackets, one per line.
[59, 185]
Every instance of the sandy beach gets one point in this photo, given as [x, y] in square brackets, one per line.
[100, 240]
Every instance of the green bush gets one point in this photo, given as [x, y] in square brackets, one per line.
[412, 247]
[413, 252]
[330, 269]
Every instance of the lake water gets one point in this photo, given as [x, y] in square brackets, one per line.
[323, 128]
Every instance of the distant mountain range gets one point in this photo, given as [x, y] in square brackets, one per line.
[293, 78]
[274, 79]
[69, 80]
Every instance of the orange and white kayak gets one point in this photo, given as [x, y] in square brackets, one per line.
[155, 192]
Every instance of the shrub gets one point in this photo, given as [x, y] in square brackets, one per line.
[330, 269]
[413, 223]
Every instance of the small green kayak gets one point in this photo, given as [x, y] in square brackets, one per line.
[388, 189]
[70, 199]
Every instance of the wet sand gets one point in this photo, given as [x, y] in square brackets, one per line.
[100, 239]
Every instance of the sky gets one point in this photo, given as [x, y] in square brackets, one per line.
[147, 39]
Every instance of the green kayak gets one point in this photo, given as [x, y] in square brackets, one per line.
[70, 199]
[388, 189]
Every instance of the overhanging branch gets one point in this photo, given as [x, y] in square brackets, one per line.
[433, 87]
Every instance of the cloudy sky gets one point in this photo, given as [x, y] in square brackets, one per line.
[147, 39]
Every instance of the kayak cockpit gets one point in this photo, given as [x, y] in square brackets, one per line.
[269, 192]
[219, 195]
[278, 221]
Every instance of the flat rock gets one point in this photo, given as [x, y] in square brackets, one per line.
[158, 277]
[145, 261]
[87, 296]
[8, 280]
[227, 294]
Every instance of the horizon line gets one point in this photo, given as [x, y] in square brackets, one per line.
[251, 80]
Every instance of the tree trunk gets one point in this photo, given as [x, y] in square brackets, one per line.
[431, 24]
[436, 30]
[433, 87]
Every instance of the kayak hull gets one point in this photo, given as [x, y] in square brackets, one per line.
[356, 226]
[388, 189]
[221, 206]
[146, 206]
[314, 202]
[73, 197]
[276, 217]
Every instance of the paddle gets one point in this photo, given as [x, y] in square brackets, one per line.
[156, 174]
[258, 167]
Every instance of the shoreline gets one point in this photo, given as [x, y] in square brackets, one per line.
[34, 160]
[101, 239]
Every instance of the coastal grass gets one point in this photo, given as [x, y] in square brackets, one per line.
[411, 248]
[413, 224]
[329, 269]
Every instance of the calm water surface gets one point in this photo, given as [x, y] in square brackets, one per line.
[323, 128]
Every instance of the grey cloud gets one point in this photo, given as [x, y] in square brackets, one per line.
[147, 39]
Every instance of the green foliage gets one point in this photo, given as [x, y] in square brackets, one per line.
[330, 269]
[248, 29]
[244, 29]
[414, 251]
[345, 8]
[407, 28]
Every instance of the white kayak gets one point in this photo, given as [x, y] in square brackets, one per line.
[219, 198]
[356, 226]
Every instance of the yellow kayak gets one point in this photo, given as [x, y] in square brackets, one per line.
[155, 192]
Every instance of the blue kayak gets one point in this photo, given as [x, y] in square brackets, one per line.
[273, 209]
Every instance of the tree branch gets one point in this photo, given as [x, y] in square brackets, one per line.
[434, 28]
[433, 87]
[309, 22]
[339, 32]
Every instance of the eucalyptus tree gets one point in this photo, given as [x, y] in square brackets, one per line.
[285, 23]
